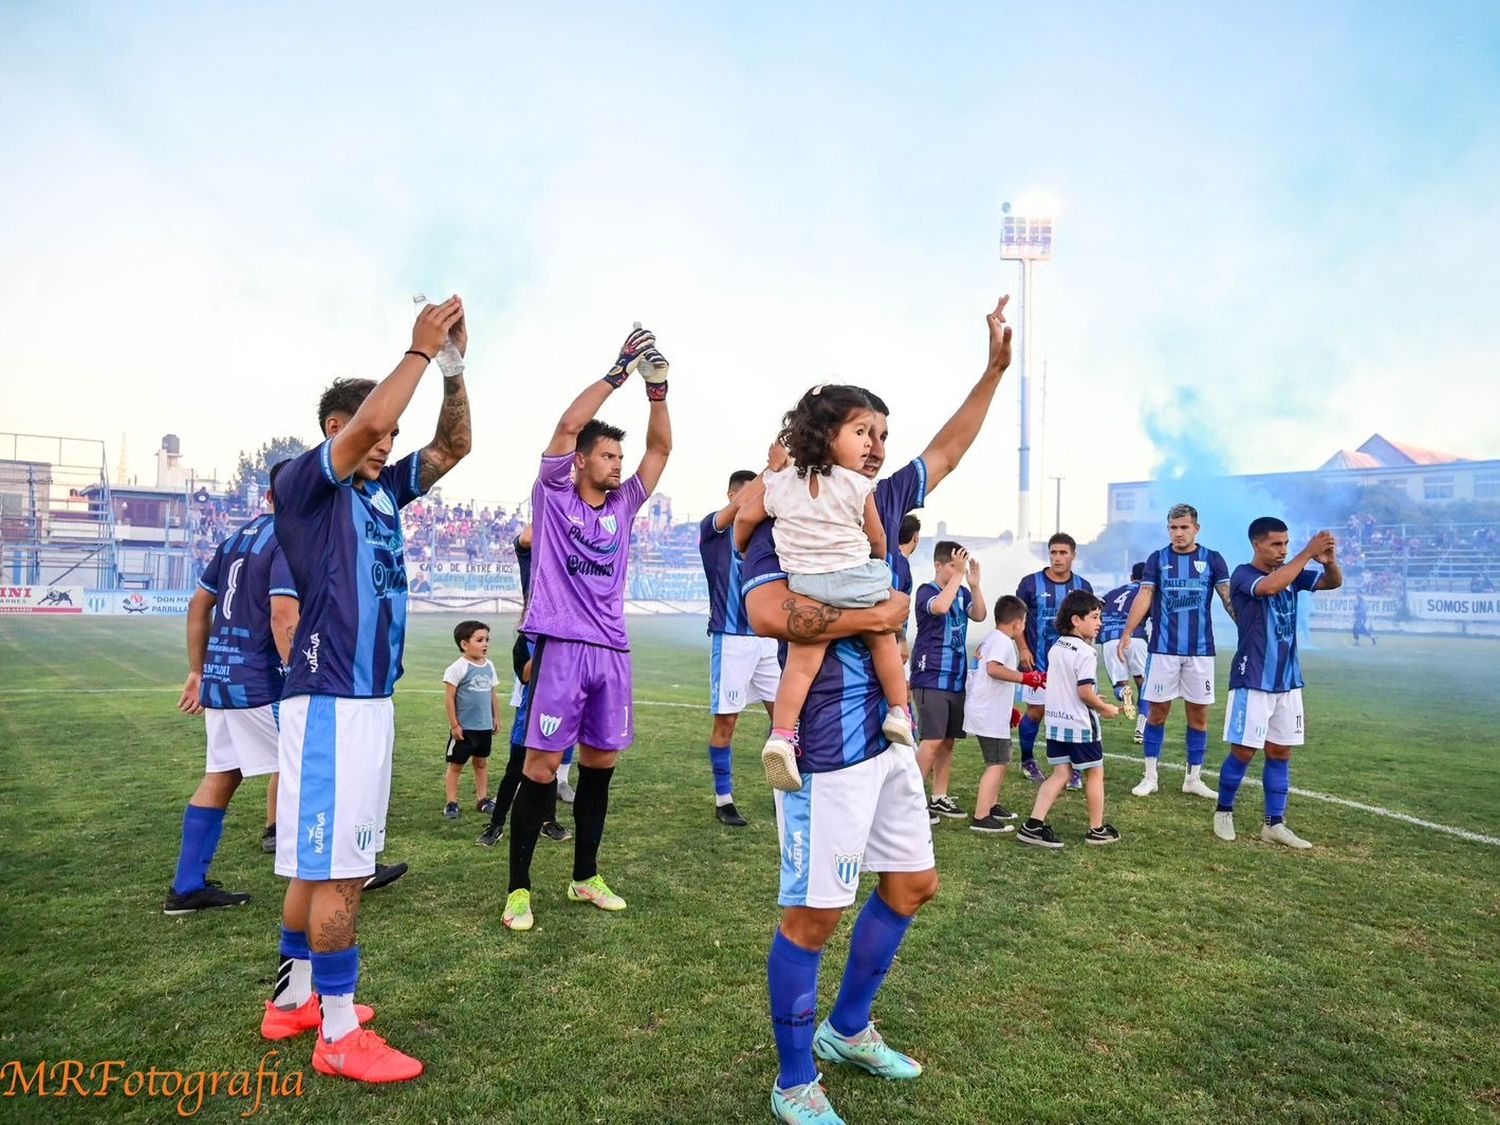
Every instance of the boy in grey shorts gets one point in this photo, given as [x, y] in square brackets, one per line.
[989, 705]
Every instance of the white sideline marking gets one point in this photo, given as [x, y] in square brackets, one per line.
[1311, 794]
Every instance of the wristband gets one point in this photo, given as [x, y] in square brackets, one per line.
[616, 377]
[424, 355]
[657, 392]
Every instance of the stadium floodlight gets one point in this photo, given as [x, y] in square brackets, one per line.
[1028, 240]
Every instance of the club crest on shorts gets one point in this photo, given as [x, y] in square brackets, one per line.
[548, 724]
[364, 835]
[609, 524]
[847, 867]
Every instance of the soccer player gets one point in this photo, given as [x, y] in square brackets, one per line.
[940, 665]
[1177, 590]
[338, 520]
[742, 667]
[581, 517]
[911, 535]
[1265, 680]
[1117, 605]
[1043, 593]
[873, 791]
[238, 641]
[1362, 621]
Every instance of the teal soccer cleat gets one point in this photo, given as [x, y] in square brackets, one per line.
[804, 1105]
[867, 1050]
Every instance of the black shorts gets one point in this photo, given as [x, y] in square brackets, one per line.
[940, 714]
[475, 744]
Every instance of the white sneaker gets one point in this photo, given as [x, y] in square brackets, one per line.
[565, 792]
[1224, 826]
[1197, 788]
[1281, 834]
[897, 727]
[780, 760]
[1147, 787]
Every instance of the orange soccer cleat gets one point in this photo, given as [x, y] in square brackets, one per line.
[364, 1057]
[279, 1024]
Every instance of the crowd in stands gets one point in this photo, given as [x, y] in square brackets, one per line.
[1387, 560]
[459, 532]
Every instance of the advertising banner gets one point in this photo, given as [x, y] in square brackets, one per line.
[448, 578]
[138, 603]
[41, 599]
[1465, 609]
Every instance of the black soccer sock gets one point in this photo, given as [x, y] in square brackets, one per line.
[590, 805]
[526, 825]
[506, 793]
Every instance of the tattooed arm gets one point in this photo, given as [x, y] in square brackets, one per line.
[777, 612]
[453, 440]
[285, 613]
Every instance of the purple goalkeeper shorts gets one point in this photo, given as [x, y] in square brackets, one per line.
[579, 693]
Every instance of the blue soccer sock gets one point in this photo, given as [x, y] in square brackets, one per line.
[567, 758]
[792, 973]
[1231, 773]
[294, 971]
[878, 933]
[1197, 746]
[334, 976]
[719, 759]
[1152, 738]
[1276, 776]
[1028, 730]
[201, 829]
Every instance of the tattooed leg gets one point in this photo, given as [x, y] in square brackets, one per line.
[333, 915]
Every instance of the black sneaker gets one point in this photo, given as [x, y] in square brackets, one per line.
[491, 835]
[932, 818]
[729, 816]
[207, 897]
[486, 806]
[385, 875]
[991, 824]
[268, 840]
[556, 832]
[450, 811]
[1042, 836]
[1104, 834]
[946, 806]
[1000, 812]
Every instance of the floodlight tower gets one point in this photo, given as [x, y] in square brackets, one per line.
[1028, 240]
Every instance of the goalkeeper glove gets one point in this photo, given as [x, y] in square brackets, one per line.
[653, 368]
[630, 356]
[1015, 717]
[1034, 680]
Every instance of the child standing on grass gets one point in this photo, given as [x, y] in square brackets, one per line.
[1074, 740]
[831, 541]
[473, 702]
[987, 712]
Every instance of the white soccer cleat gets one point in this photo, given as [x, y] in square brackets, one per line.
[1197, 788]
[1146, 787]
[780, 761]
[897, 727]
[1224, 826]
[1281, 834]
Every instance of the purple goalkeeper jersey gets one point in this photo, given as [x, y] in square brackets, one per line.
[578, 558]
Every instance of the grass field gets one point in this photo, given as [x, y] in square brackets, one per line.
[1170, 979]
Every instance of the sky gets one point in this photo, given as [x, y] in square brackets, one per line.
[1277, 228]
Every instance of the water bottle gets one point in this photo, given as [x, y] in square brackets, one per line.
[449, 362]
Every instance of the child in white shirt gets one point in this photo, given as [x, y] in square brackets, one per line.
[990, 697]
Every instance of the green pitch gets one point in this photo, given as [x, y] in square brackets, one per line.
[1169, 979]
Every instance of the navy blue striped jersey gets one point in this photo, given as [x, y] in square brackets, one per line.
[1043, 598]
[939, 655]
[344, 543]
[721, 566]
[840, 724]
[1266, 659]
[242, 667]
[1182, 620]
[895, 496]
[1117, 604]
[523, 568]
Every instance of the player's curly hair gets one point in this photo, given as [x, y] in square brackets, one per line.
[808, 429]
[343, 396]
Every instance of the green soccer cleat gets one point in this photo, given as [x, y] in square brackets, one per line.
[517, 914]
[804, 1105]
[866, 1050]
[596, 891]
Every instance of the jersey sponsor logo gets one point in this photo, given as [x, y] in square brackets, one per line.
[609, 524]
[364, 835]
[548, 724]
[599, 546]
[796, 853]
[315, 833]
[381, 501]
[847, 867]
[310, 653]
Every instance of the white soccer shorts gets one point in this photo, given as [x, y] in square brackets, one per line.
[1134, 665]
[1255, 718]
[1033, 697]
[1171, 677]
[741, 671]
[866, 817]
[241, 738]
[335, 785]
